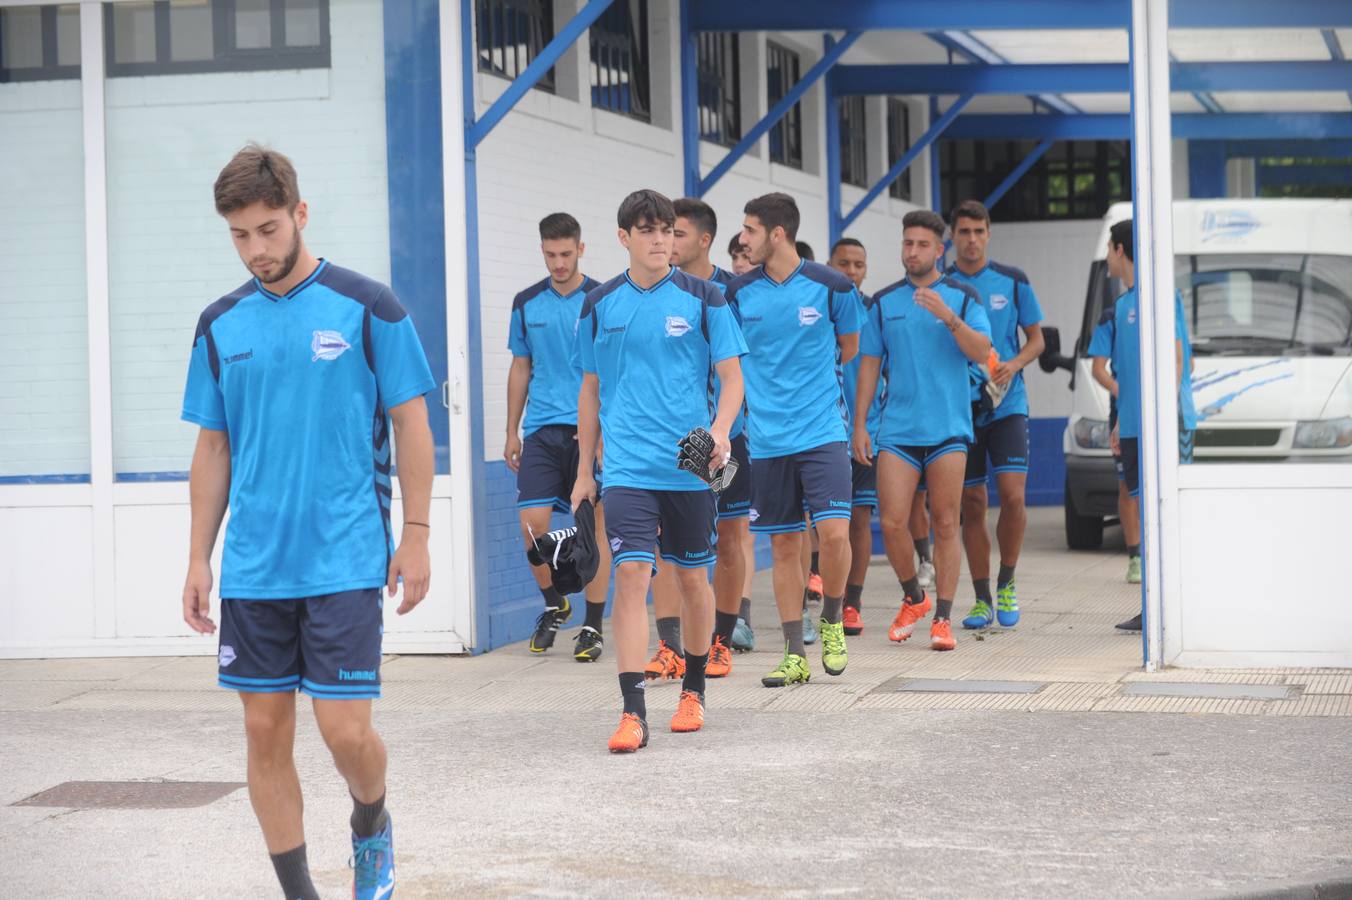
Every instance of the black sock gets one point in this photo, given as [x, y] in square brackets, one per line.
[793, 636]
[553, 599]
[854, 596]
[694, 673]
[596, 613]
[368, 818]
[911, 588]
[294, 874]
[983, 588]
[723, 625]
[669, 630]
[943, 609]
[831, 609]
[632, 689]
[1133, 549]
[815, 570]
[1006, 575]
[922, 548]
[745, 613]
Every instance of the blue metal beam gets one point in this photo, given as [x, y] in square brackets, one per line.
[910, 156]
[835, 228]
[1335, 48]
[926, 15]
[567, 36]
[1085, 78]
[1201, 126]
[1019, 171]
[972, 48]
[1327, 149]
[1303, 175]
[935, 158]
[1208, 102]
[689, 103]
[778, 111]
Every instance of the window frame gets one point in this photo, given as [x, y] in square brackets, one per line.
[1093, 165]
[225, 57]
[854, 141]
[601, 38]
[899, 128]
[788, 131]
[718, 69]
[538, 13]
[50, 69]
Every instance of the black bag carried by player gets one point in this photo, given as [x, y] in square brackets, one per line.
[570, 553]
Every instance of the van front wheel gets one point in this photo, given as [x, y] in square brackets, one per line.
[1082, 532]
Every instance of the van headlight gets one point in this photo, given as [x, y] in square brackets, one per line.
[1324, 434]
[1092, 434]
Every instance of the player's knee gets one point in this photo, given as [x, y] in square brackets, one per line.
[1012, 503]
[269, 732]
[347, 739]
[945, 523]
[786, 547]
[834, 540]
[974, 503]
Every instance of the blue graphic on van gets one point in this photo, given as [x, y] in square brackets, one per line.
[1213, 409]
[1227, 225]
[1217, 377]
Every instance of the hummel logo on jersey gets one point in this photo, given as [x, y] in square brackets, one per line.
[357, 675]
[226, 656]
[999, 301]
[808, 315]
[617, 330]
[238, 357]
[615, 545]
[537, 324]
[677, 326]
[328, 345]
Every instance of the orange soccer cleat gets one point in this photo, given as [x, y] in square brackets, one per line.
[907, 616]
[720, 659]
[630, 736]
[689, 713]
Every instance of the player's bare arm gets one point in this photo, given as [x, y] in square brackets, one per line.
[848, 344]
[729, 402]
[1034, 344]
[973, 344]
[1102, 376]
[588, 437]
[209, 490]
[861, 445]
[414, 456]
[518, 381]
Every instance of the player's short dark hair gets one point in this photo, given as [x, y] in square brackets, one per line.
[735, 245]
[699, 214]
[559, 225]
[804, 250]
[969, 209]
[1120, 235]
[645, 206]
[847, 242]
[257, 173]
[775, 210]
[923, 218]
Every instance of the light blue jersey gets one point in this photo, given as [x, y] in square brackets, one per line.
[542, 328]
[1010, 305]
[1126, 362]
[793, 388]
[928, 391]
[301, 384]
[721, 279]
[653, 351]
[849, 375]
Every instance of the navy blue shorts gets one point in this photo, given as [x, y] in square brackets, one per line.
[784, 487]
[1129, 465]
[865, 483]
[1005, 441]
[735, 501]
[548, 469]
[679, 524]
[327, 646]
[920, 457]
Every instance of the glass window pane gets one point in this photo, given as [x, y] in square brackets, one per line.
[68, 35]
[253, 24]
[190, 35]
[22, 30]
[134, 32]
[44, 363]
[302, 23]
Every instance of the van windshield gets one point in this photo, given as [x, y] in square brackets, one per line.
[1257, 304]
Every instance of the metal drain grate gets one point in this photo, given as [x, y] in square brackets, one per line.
[132, 794]
[957, 686]
[1210, 691]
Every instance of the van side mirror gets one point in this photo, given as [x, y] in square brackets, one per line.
[1051, 358]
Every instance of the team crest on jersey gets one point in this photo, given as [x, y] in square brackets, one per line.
[328, 345]
[808, 315]
[615, 545]
[226, 656]
[754, 514]
[677, 326]
[999, 301]
[1131, 317]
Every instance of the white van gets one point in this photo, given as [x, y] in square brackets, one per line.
[1267, 289]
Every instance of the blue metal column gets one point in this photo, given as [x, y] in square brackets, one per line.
[690, 102]
[936, 202]
[1206, 169]
[835, 225]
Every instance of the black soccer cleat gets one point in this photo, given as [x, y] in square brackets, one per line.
[547, 626]
[588, 645]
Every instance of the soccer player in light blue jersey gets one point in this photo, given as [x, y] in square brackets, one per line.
[294, 380]
[849, 257]
[928, 327]
[544, 381]
[650, 340]
[796, 316]
[1001, 433]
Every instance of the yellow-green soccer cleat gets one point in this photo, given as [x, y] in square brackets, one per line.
[792, 669]
[833, 647]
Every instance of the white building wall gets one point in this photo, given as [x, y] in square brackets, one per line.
[555, 153]
[44, 365]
